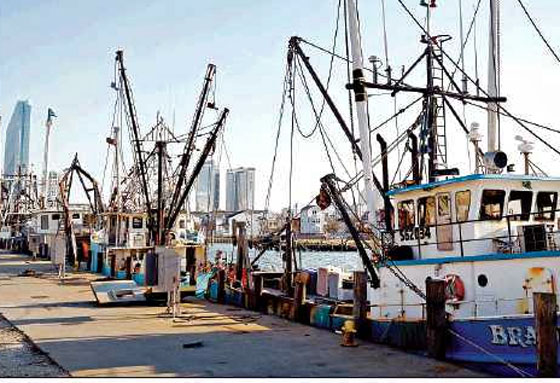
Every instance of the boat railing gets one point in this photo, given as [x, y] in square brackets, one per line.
[476, 305]
[509, 242]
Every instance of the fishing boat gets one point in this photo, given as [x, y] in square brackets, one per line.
[491, 235]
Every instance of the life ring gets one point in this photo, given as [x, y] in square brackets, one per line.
[454, 288]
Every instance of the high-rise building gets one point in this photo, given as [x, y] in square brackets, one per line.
[240, 189]
[230, 190]
[208, 188]
[16, 147]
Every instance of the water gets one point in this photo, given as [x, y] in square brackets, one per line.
[272, 260]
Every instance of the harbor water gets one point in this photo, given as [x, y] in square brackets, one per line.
[272, 260]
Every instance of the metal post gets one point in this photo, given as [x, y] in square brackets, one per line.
[461, 239]
[160, 145]
[493, 80]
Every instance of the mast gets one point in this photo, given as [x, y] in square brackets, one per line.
[493, 77]
[360, 99]
[45, 183]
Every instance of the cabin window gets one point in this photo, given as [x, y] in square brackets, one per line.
[55, 217]
[406, 214]
[76, 216]
[44, 222]
[444, 205]
[426, 211]
[546, 204]
[136, 222]
[492, 204]
[462, 205]
[181, 224]
[519, 205]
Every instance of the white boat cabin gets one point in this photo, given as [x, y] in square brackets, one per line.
[476, 215]
[126, 229]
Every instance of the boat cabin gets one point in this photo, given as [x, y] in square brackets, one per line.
[475, 215]
[126, 229]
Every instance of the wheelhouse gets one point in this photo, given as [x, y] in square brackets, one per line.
[476, 215]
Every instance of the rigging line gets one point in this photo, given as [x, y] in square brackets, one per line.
[327, 85]
[398, 171]
[292, 95]
[226, 151]
[464, 43]
[347, 60]
[277, 140]
[318, 120]
[400, 111]
[539, 31]
[390, 148]
[519, 371]
[478, 87]
[519, 118]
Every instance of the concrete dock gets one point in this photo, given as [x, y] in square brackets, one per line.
[207, 340]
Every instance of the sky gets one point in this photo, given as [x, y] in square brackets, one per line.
[60, 54]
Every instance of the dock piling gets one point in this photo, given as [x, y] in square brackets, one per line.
[359, 310]
[545, 309]
[436, 318]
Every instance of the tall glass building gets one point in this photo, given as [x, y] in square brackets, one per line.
[16, 146]
[240, 189]
[208, 188]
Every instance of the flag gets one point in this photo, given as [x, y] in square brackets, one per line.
[50, 115]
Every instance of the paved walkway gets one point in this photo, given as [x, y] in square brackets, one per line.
[88, 340]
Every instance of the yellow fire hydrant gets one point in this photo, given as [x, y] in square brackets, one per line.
[349, 334]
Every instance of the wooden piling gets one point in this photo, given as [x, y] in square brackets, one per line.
[544, 306]
[436, 319]
[242, 250]
[359, 310]
[257, 289]
[221, 286]
[301, 281]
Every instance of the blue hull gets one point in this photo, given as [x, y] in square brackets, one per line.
[509, 339]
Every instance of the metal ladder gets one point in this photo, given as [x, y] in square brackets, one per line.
[439, 126]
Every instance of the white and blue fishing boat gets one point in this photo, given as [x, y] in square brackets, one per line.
[493, 235]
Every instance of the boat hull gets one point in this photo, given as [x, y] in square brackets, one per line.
[503, 339]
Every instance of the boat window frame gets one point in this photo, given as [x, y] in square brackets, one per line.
[524, 216]
[503, 203]
[423, 216]
[468, 205]
[399, 208]
[44, 222]
[450, 208]
[135, 221]
[538, 216]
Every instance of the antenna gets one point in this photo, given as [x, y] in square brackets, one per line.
[526, 148]
[475, 137]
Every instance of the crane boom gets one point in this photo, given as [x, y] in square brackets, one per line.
[138, 157]
[195, 125]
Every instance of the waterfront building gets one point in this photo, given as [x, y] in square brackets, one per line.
[312, 220]
[16, 148]
[240, 189]
[207, 196]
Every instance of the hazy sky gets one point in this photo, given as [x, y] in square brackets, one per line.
[60, 54]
